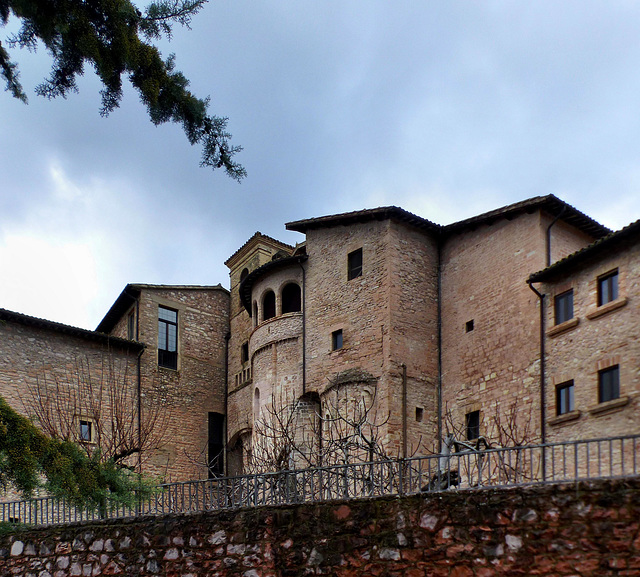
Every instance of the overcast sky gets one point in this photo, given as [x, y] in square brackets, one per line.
[447, 109]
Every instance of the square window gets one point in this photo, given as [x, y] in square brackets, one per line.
[336, 340]
[608, 288]
[609, 384]
[86, 431]
[469, 326]
[244, 352]
[563, 305]
[354, 264]
[564, 398]
[472, 425]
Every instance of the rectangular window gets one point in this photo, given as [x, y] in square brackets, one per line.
[608, 288]
[564, 307]
[468, 327]
[354, 264]
[564, 398]
[216, 445]
[419, 414]
[609, 384]
[472, 425]
[167, 338]
[86, 431]
[131, 326]
[244, 353]
[336, 340]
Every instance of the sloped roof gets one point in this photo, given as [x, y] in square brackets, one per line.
[94, 336]
[629, 234]
[346, 218]
[552, 204]
[130, 294]
[257, 236]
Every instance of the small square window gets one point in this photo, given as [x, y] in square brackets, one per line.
[472, 425]
[86, 431]
[468, 327]
[608, 288]
[354, 264]
[609, 384]
[563, 305]
[244, 352]
[336, 340]
[564, 398]
[419, 414]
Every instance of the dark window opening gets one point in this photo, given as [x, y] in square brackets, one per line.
[564, 398]
[255, 313]
[244, 274]
[131, 326]
[472, 425]
[216, 445]
[564, 307]
[86, 432]
[244, 352]
[354, 264]
[419, 414]
[336, 340]
[268, 306]
[469, 326]
[609, 384]
[167, 338]
[608, 288]
[291, 299]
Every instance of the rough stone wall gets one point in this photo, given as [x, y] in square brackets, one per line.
[554, 531]
[596, 338]
[197, 387]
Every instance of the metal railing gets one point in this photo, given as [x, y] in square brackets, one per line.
[572, 461]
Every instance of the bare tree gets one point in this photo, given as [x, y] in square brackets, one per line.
[96, 403]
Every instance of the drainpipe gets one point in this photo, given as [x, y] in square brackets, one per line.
[439, 341]
[139, 386]
[227, 337]
[543, 411]
[304, 330]
[404, 411]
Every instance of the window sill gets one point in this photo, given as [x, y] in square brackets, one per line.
[565, 418]
[609, 307]
[563, 327]
[609, 406]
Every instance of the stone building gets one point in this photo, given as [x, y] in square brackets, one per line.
[518, 325]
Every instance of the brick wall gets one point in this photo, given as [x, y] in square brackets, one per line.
[586, 530]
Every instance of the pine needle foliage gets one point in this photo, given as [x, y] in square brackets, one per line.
[30, 460]
[115, 38]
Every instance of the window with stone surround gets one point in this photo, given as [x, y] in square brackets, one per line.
[472, 425]
[609, 384]
[563, 306]
[86, 430]
[354, 264]
[167, 338]
[131, 325]
[244, 352]
[564, 398]
[607, 287]
[336, 340]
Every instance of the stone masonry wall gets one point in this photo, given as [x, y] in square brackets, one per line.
[196, 388]
[594, 339]
[554, 531]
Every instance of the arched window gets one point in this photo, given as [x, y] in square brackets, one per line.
[291, 298]
[244, 274]
[256, 403]
[268, 305]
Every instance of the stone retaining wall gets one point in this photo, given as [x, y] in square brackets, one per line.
[571, 530]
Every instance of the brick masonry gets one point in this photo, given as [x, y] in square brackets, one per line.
[585, 530]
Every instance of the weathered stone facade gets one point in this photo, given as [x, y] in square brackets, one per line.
[590, 530]
[430, 329]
